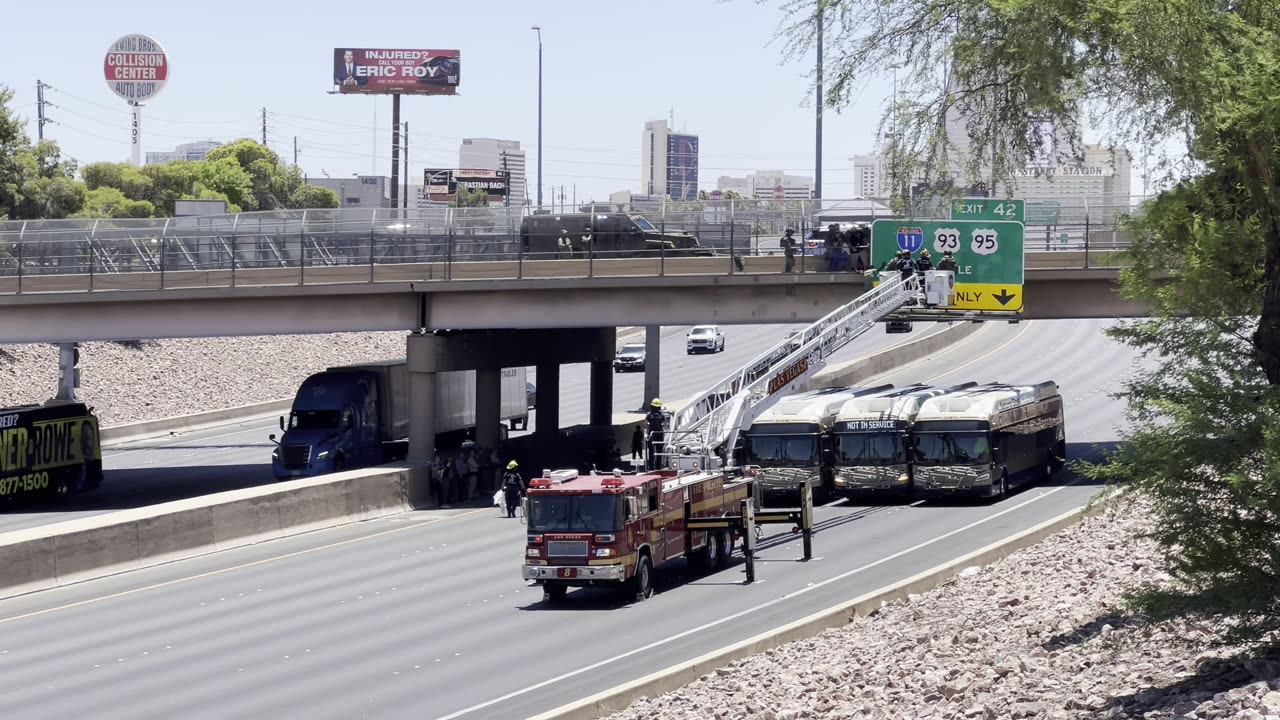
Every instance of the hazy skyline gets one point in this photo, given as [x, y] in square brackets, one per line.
[714, 63]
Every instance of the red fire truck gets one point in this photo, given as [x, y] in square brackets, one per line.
[613, 530]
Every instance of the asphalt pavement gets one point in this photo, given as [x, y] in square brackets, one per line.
[238, 455]
[425, 614]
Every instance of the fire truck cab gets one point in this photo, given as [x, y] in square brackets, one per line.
[614, 529]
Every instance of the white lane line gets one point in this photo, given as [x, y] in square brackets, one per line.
[184, 439]
[917, 503]
[748, 611]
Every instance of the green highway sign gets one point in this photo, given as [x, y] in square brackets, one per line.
[988, 253]
[988, 209]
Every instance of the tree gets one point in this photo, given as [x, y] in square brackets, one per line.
[468, 198]
[131, 181]
[170, 182]
[1205, 438]
[312, 196]
[109, 202]
[224, 179]
[273, 184]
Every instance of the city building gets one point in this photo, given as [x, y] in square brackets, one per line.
[628, 197]
[668, 162]
[491, 154]
[366, 191]
[1102, 176]
[186, 151]
[768, 185]
[868, 176]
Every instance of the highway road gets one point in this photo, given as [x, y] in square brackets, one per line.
[425, 614]
[238, 455]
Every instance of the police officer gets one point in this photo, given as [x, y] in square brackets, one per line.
[906, 267]
[656, 420]
[925, 263]
[789, 250]
[948, 262]
[512, 487]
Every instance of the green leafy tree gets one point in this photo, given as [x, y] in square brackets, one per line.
[468, 198]
[1205, 437]
[170, 182]
[225, 179]
[109, 202]
[312, 196]
[273, 184]
[133, 182]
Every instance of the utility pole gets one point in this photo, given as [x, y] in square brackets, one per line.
[507, 200]
[40, 116]
[395, 150]
[264, 126]
[539, 31]
[295, 151]
[817, 159]
[406, 165]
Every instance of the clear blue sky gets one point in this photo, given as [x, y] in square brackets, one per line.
[608, 67]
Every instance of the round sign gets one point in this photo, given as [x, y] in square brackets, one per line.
[136, 68]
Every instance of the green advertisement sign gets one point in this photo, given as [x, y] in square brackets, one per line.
[987, 251]
[988, 209]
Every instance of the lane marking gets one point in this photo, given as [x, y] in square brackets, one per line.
[1026, 326]
[187, 439]
[243, 566]
[748, 611]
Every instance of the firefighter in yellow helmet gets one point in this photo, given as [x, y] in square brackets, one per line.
[512, 487]
[656, 421]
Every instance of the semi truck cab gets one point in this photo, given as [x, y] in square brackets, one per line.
[333, 426]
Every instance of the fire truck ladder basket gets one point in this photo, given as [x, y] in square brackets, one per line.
[710, 423]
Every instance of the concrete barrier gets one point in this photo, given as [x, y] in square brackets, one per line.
[619, 698]
[856, 371]
[77, 550]
[116, 434]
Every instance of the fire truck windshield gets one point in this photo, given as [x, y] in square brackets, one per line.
[576, 513]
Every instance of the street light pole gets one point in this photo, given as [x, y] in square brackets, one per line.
[538, 29]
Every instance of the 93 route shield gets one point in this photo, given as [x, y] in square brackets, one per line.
[988, 253]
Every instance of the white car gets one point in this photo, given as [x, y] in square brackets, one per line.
[705, 338]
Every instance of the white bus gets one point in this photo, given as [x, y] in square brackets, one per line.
[871, 440]
[987, 439]
[790, 443]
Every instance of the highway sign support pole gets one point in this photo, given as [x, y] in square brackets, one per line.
[68, 375]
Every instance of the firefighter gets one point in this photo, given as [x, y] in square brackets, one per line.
[925, 263]
[512, 487]
[656, 421]
[948, 262]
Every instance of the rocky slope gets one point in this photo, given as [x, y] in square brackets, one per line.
[1040, 634]
[164, 378]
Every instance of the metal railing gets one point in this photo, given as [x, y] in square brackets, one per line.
[281, 247]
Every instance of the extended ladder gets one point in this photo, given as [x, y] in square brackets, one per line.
[709, 425]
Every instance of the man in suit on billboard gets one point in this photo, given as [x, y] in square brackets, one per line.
[345, 72]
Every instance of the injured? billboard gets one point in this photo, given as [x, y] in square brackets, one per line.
[389, 72]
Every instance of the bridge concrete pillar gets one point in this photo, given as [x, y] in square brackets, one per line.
[602, 393]
[422, 436]
[488, 406]
[547, 417]
[652, 365]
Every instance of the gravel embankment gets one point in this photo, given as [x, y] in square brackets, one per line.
[1040, 634]
[179, 377]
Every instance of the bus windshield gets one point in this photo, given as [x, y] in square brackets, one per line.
[782, 450]
[952, 448]
[576, 513]
[870, 448]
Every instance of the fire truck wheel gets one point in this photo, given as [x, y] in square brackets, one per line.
[555, 592]
[714, 549]
[642, 582]
[726, 547]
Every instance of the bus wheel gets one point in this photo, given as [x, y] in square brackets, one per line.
[1003, 492]
[642, 582]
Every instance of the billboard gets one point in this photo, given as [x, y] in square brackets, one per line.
[443, 184]
[682, 167]
[389, 72]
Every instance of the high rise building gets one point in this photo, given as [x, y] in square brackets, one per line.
[868, 172]
[491, 154]
[668, 162]
[1101, 175]
[187, 151]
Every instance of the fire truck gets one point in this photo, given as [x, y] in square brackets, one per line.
[613, 530]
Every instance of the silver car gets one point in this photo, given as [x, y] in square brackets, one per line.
[705, 338]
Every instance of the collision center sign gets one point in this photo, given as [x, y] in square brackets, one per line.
[136, 68]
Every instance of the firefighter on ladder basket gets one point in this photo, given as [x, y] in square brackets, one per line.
[656, 421]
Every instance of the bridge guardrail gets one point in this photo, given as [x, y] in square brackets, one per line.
[326, 246]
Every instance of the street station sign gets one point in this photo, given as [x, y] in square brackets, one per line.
[988, 253]
[988, 209]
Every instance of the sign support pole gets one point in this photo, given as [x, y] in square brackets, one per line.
[136, 139]
[395, 150]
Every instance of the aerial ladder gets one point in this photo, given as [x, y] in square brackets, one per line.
[704, 432]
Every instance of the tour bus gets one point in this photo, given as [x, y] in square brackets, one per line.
[48, 450]
[987, 439]
[871, 441]
[790, 443]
